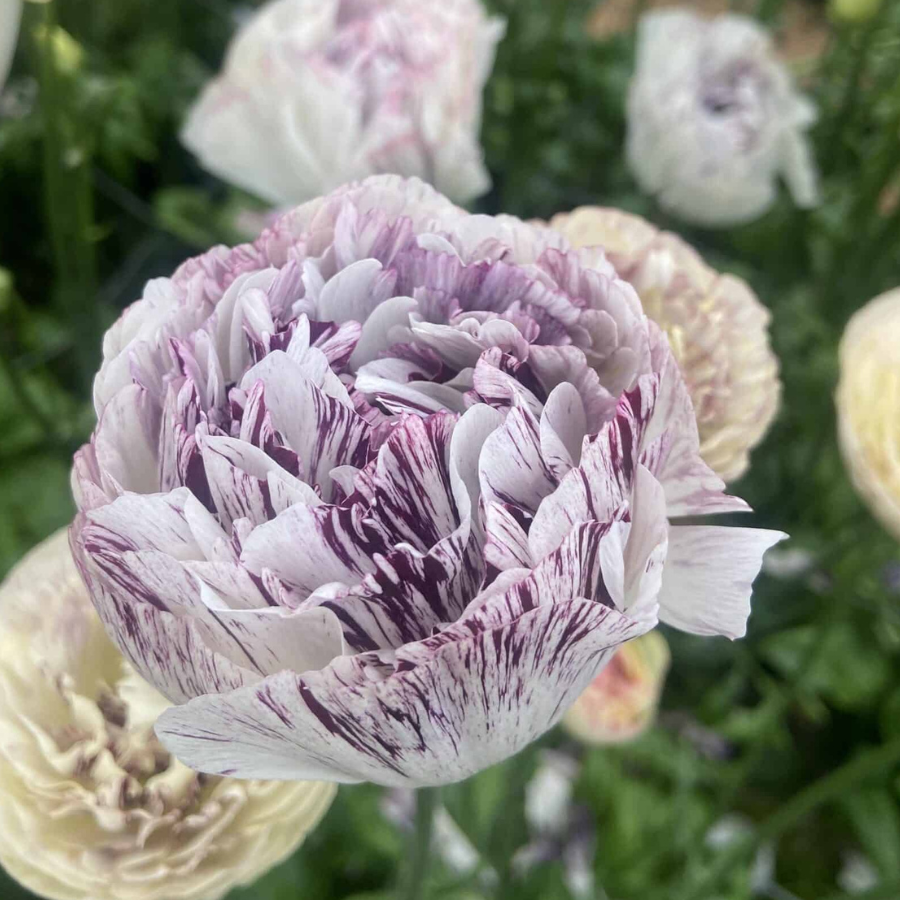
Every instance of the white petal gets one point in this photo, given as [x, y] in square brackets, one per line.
[708, 578]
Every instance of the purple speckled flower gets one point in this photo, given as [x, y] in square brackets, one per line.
[377, 496]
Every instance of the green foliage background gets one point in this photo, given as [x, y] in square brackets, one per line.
[796, 728]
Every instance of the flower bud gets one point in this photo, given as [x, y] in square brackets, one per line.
[621, 702]
[853, 11]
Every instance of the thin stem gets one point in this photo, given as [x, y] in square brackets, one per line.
[795, 810]
[416, 885]
[833, 147]
[68, 199]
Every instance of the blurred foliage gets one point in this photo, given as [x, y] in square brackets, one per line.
[774, 732]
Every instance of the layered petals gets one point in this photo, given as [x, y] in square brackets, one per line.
[388, 487]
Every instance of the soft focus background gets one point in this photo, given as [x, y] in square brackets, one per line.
[767, 772]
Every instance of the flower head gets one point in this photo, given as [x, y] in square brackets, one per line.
[93, 806]
[717, 328]
[620, 703]
[714, 119]
[314, 93]
[868, 406]
[376, 497]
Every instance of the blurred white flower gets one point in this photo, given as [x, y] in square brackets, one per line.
[858, 875]
[621, 702]
[868, 406]
[718, 329]
[315, 93]
[714, 119]
[549, 793]
[789, 563]
[558, 828]
[92, 807]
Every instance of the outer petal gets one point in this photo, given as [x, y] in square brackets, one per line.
[477, 700]
[167, 650]
[437, 711]
[708, 577]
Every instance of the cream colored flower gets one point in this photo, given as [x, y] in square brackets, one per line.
[868, 406]
[621, 701]
[91, 805]
[717, 327]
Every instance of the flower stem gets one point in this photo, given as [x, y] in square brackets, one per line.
[68, 196]
[795, 810]
[415, 886]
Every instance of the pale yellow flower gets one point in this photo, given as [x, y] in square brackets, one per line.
[868, 406]
[621, 702]
[717, 327]
[91, 805]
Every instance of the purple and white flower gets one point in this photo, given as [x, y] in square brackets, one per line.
[378, 495]
[314, 93]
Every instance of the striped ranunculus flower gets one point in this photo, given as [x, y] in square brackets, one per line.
[378, 495]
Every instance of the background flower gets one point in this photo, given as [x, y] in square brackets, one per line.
[714, 119]
[92, 807]
[314, 93]
[621, 701]
[717, 328]
[388, 458]
[868, 406]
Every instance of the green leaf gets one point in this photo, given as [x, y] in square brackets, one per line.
[876, 819]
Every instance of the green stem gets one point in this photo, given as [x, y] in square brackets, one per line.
[794, 811]
[834, 146]
[416, 886]
[768, 10]
[68, 200]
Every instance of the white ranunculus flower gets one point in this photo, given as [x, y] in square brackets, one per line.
[714, 119]
[92, 807]
[315, 93]
[868, 406]
[718, 329]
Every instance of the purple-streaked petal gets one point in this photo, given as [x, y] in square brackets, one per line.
[322, 431]
[125, 442]
[307, 547]
[512, 467]
[467, 700]
[167, 649]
